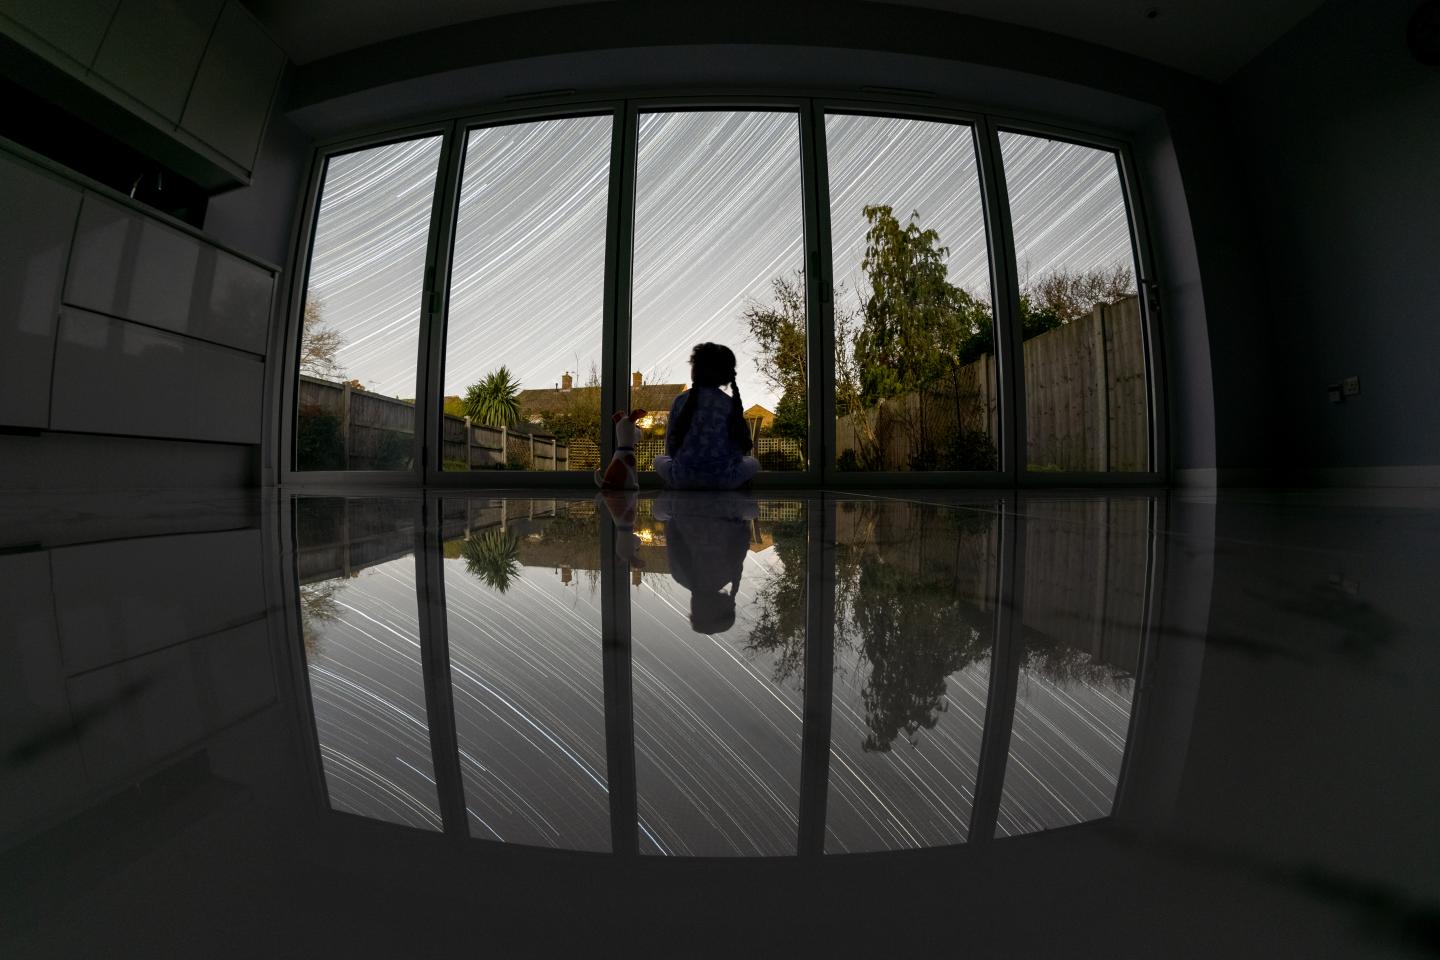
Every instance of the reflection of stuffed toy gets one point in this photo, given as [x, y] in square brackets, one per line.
[621, 475]
[621, 504]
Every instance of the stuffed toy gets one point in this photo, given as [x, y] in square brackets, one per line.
[621, 475]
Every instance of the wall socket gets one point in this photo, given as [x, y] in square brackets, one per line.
[1350, 386]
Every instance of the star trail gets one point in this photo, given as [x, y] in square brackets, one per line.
[718, 719]
[718, 214]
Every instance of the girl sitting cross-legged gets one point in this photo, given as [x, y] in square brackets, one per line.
[707, 443]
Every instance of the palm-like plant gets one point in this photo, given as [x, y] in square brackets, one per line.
[493, 557]
[493, 401]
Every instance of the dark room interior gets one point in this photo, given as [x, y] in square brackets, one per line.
[1016, 427]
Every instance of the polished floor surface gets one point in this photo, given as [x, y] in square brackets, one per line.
[1139, 723]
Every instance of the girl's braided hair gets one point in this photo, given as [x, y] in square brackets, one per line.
[712, 365]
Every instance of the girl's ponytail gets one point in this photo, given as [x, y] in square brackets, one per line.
[739, 429]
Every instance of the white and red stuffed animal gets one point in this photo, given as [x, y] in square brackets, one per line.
[621, 475]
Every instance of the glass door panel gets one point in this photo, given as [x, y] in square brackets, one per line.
[1086, 394]
[915, 379]
[522, 604]
[522, 347]
[360, 332]
[719, 257]
[1087, 568]
[718, 653]
[360, 625]
[916, 588]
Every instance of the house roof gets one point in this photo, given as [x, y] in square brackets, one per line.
[652, 397]
[755, 410]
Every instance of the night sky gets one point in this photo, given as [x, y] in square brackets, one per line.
[718, 215]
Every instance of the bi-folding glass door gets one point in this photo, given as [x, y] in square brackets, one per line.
[912, 296]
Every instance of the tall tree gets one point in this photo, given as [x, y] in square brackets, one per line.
[1070, 295]
[319, 343]
[493, 401]
[911, 324]
[778, 330]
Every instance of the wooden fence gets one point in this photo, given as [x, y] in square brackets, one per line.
[341, 428]
[491, 448]
[1086, 404]
[1085, 395]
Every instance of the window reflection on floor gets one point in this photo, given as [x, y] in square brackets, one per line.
[718, 619]
[360, 623]
[1086, 564]
[717, 636]
[522, 604]
[916, 587]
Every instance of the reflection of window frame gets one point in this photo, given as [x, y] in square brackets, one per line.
[820, 557]
[619, 251]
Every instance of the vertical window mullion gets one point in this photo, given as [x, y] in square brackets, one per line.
[1148, 287]
[435, 657]
[1004, 677]
[819, 298]
[619, 276]
[436, 304]
[1005, 285]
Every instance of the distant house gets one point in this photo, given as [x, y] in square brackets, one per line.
[654, 398]
[763, 414]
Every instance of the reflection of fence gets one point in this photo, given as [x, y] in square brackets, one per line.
[1085, 402]
[341, 428]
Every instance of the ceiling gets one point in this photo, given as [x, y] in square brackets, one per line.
[1207, 38]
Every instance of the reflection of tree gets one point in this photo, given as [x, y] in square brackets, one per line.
[1066, 665]
[493, 557]
[915, 633]
[317, 606]
[908, 588]
[780, 628]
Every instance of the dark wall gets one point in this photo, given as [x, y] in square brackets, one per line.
[1341, 130]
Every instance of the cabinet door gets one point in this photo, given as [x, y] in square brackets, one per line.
[117, 377]
[74, 28]
[128, 265]
[38, 217]
[231, 98]
[153, 49]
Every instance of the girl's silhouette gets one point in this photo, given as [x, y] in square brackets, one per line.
[707, 443]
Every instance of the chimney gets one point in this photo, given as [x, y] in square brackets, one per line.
[635, 380]
[567, 381]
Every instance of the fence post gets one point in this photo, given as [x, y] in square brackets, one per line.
[345, 425]
[532, 451]
[1102, 377]
[469, 446]
[504, 448]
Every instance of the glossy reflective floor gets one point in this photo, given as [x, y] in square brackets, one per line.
[1130, 724]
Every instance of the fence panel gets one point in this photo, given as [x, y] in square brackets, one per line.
[1086, 402]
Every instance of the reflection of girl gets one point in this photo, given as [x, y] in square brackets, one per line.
[706, 538]
[706, 440]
